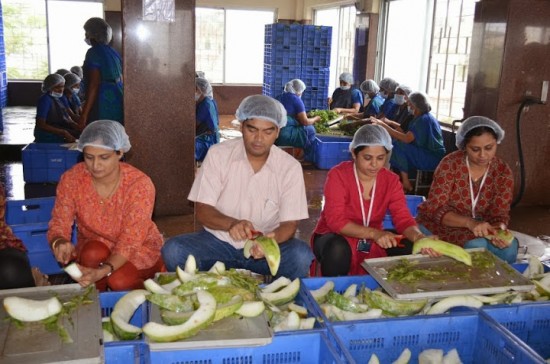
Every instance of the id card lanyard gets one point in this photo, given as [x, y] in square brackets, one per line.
[367, 220]
[476, 199]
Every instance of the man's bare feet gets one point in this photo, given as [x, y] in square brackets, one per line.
[40, 279]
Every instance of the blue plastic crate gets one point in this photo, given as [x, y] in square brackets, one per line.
[530, 322]
[413, 201]
[316, 78]
[315, 98]
[107, 301]
[317, 36]
[304, 347]
[285, 34]
[477, 338]
[316, 56]
[277, 76]
[282, 55]
[127, 353]
[331, 150]
[29, 211]
[46, 162]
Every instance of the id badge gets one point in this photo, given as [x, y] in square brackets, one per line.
[363, 246]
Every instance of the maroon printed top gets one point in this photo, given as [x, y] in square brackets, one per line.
[450, 192]
[7, 238]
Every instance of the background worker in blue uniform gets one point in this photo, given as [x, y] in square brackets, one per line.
[207, 132]
[387, 91]
[299, 130]
[346, 99]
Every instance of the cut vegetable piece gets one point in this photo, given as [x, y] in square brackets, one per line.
[320, 294]
[108, 332]
[183, 275]
[447, 303]
[444, 248]
[73, 270]
[271, 250]
[201, 318]
[291, 322]
[534, 269]
[404, 358]
[300, 310]
[504, 235]
[190, 264]
[343, 303]
[124, 310]
[307, 323]
[251, 309]
[170, 286]
[171, 302]
[154, 287]
[452, 357]
[218, 267]
[175, 318]
[27, 310]
[351, 291]
[543, 289]
[391, 306]
[374, 359]
[431, 356]
[505, 297]
[227, 309]
[283, 296]
[276, 285]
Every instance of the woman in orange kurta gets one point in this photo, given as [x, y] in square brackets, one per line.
[112, 204]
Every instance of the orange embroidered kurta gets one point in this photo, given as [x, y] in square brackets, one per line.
[7, 238]
[123, 222]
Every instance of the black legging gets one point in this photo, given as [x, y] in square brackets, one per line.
[15, 269]
[333, 254]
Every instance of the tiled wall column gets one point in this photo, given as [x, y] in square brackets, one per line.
[159, 104]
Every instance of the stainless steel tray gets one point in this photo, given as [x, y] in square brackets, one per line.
[228, 332]
[463, 279]
[34, 344]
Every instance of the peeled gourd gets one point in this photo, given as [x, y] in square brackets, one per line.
[27, 310]
[271, 250]
[442, 247]
[504, 235]
[124, 310]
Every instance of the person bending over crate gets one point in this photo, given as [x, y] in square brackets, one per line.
[112, 202]
[357, 195]
[15, 268]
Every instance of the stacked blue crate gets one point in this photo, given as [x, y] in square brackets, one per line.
[316, 43]
[3, 72]
[282, 56]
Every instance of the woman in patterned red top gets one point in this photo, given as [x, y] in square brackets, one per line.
[357, 195]
[472, 191]
[112, 202]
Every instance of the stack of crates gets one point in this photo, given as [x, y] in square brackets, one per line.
[298, 51]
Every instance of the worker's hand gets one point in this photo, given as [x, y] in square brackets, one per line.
[480, 228]
[386, 239]
[91, 275]
[67, 137]
[64, 252]
[242, 230]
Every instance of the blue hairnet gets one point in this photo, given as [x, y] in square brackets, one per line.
[262, 107]
[77, 70]
[295, 86]
[106, 134]
[346, 77]
[98, 29]
[406, 89]
[51, 81]
[70, 80]
[420, 101]
[474, 122]
[388, 84]
[204, 86]
[371, 135]
[369, 86]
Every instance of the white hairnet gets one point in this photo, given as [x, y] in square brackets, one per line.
[295, 86]
[62, 71]
[262, 107]
[70, 80]
[106, 134]
[51, 81]
[204, 86]
[371, 135]
[346, 77]
[420, 101]
[406, 89]
[474, 122]
[388, 84]
[98, 29]
[369, 86]
[77, 70]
